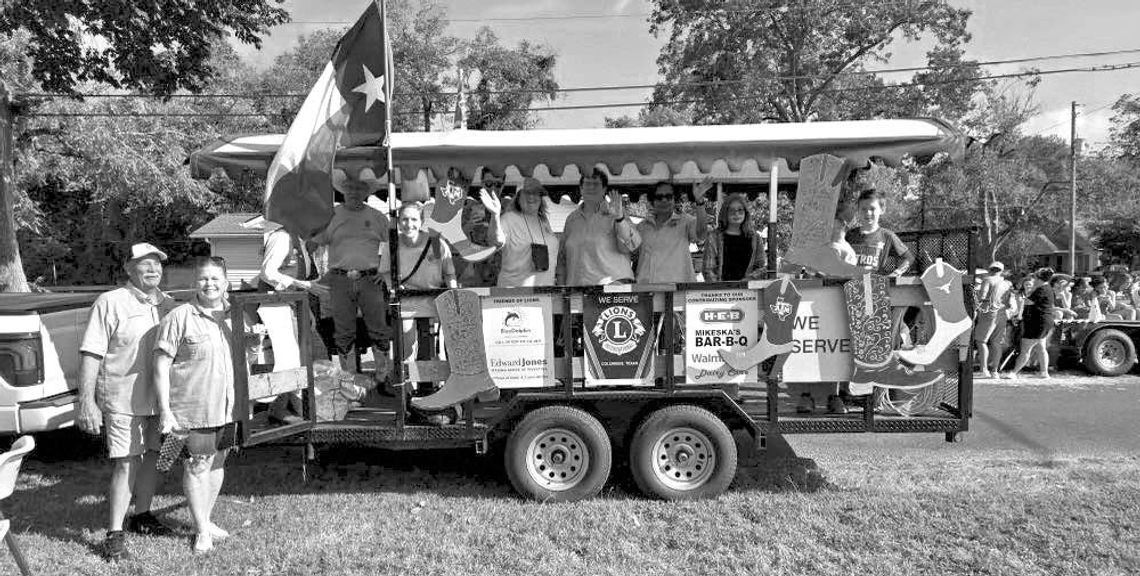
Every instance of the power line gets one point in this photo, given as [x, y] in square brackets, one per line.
[1066, 121]
[762, 8]
[858, 73]
[1102, 68]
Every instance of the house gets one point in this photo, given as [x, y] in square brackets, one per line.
[238, 238]
[1051, 248]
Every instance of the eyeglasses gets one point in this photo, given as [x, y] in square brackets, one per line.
[662, 198]
[496, 184]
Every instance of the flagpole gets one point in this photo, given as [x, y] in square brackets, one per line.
[396, 377]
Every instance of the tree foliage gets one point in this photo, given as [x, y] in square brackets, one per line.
[157, 47]
[798, 60]
[509, 81]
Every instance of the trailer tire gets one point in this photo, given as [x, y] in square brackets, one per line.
[1109, 353]
[558, 454]
[682, 453]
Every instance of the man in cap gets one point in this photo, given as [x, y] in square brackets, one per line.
[116, 392]
[993, 308]
[353, 237]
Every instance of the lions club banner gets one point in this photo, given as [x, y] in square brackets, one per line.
[619, 339]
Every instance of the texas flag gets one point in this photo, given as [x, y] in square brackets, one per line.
[348, 106]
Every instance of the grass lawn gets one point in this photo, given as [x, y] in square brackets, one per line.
[454, 513]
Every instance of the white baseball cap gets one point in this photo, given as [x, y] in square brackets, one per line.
[146, 249]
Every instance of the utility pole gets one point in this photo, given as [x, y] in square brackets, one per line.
[1073, 193]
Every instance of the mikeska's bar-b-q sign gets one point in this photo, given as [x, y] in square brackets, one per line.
[716, 320]
[619, 339]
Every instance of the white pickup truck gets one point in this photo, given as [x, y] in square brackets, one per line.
[40, 336]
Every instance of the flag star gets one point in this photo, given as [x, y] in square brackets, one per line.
[372, 88]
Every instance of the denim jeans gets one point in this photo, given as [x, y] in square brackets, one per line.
[367, 297]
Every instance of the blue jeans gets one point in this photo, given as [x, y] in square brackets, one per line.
[363, 295]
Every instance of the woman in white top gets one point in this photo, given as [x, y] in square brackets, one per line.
[528, 243]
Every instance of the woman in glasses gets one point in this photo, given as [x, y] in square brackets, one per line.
[529, 247]
[735, 250]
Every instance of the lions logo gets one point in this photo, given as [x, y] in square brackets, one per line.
[618, 329]
[781, 309]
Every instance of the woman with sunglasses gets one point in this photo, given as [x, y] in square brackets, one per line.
[529, 247]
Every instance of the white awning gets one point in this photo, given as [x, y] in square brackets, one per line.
[749, 148]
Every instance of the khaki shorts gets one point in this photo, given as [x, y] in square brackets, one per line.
[987, 324]
[129, 435]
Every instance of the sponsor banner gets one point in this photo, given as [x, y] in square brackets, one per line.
[619, 339]
[718, 320]
[518, 333]
[821, 338]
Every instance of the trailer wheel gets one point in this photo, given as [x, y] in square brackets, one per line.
[558, 454]
[1109, 353]
[682, 453]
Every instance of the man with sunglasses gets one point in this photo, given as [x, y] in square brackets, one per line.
[667, 233]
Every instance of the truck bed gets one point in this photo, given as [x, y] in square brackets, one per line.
[43, 302]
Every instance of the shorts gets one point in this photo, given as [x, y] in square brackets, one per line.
[987, 324]
[208, 441]
[128, 435]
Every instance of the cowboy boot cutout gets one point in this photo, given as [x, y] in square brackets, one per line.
[461, 319]
[869, 315]
[817, 198]
[446, 219]
[943, 285]
[779, 300]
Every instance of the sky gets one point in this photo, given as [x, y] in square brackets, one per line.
[614, 47]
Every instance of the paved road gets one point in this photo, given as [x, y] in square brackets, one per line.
[1070, 416]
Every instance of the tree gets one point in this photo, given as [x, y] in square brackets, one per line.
[1119, 239]
[93, 183]
[800, 60]
[157, 47]
[649, 117]
[1124, 136]
[509, 81]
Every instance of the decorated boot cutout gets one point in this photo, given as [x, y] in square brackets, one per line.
[446, 219]
[815, 227]
[943, 284]
[461, 319]
[869, 315]
[780, 301]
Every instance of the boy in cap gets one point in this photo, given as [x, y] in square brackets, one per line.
[116, 392]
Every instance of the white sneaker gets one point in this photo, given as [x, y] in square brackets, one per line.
[203, 542]
[983, 375]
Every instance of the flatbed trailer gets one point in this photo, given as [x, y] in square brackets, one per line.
[560, 430]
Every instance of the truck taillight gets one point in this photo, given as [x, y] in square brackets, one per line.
[21, 359]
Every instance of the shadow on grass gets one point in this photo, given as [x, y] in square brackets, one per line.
[1046, 453]
[67, 477]
[61, 492]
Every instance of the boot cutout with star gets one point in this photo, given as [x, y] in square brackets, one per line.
[446, 219]
[943, 285]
